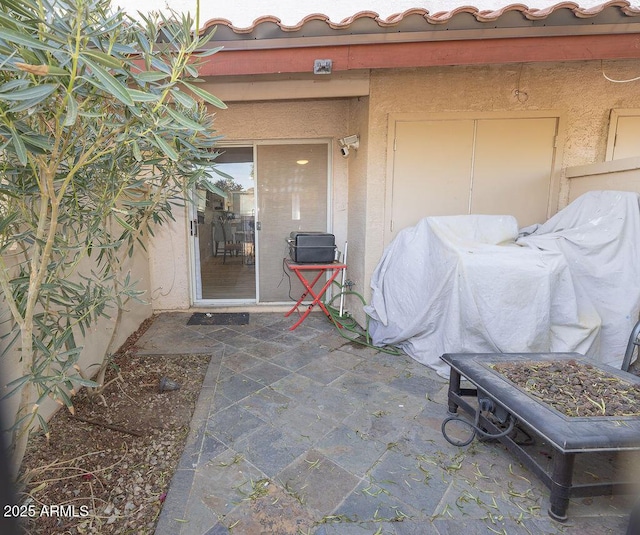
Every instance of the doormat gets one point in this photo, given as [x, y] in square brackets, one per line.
[208, 318]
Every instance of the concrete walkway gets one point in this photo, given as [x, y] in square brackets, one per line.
[305, 432]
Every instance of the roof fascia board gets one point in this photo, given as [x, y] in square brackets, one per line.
[424, 54]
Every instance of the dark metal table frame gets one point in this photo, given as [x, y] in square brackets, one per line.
[330, 268]
[568, 436]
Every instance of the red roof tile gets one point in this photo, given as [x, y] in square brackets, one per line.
[432, 19]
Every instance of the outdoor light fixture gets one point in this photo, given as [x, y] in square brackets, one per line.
[322, 66]
[349, 142]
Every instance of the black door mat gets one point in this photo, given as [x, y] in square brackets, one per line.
[208, 318]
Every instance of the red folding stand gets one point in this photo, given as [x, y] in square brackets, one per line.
[299, 269]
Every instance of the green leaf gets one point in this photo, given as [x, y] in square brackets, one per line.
[191, 70]
[103, 59]
[60, 393]
[60, 300]
[15, 385]
[186, 100]
[209, 52]
[137, 154]
[37, 141]
[18, 144]
[6, 222]
[151, 76]
[43, 425]
[29, 56]
[185, 121]
[24, 105]
[57, 71]
[84, 382]
[142, 96]
[108, 82]
[206, 96]
[20, 7]
[16, 38]
[73, 286]
[36, 92]
[123, 223]
[169, 151]
[160, 65]
[72, 112]
[12, 85]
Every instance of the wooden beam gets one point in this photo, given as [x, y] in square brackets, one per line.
[342, 84]
[511, 50]
[425, 54]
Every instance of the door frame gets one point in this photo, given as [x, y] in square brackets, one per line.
[394, 118]
[195, 281]
[614, 116]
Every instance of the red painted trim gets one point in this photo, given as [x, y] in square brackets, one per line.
[425, 54]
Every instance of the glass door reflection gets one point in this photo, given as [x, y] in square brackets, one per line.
[226, 228]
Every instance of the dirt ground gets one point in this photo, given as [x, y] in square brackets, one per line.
[107, 470]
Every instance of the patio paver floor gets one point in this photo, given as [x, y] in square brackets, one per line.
[304, 432]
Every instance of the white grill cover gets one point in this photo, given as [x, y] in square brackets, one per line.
[473, 284]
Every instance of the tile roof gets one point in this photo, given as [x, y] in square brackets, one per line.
[419, 19]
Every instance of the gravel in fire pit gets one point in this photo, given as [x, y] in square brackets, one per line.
[573, 388]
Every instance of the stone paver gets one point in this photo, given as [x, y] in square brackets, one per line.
[305, 432]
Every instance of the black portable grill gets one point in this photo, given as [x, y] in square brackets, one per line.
[312, 247]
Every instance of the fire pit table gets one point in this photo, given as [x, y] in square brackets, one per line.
[507, 404]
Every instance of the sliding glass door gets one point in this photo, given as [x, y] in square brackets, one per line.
[292, 196]
[244, 214]
[225, 267]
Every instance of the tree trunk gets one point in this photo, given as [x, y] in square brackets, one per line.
[20, 434]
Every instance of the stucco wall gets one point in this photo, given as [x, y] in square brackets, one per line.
[296, 120]
[94, 343]
[577, 89]
[8, 367]
[358, 191]
[255, 121]
[620, 175]
[169, 264]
